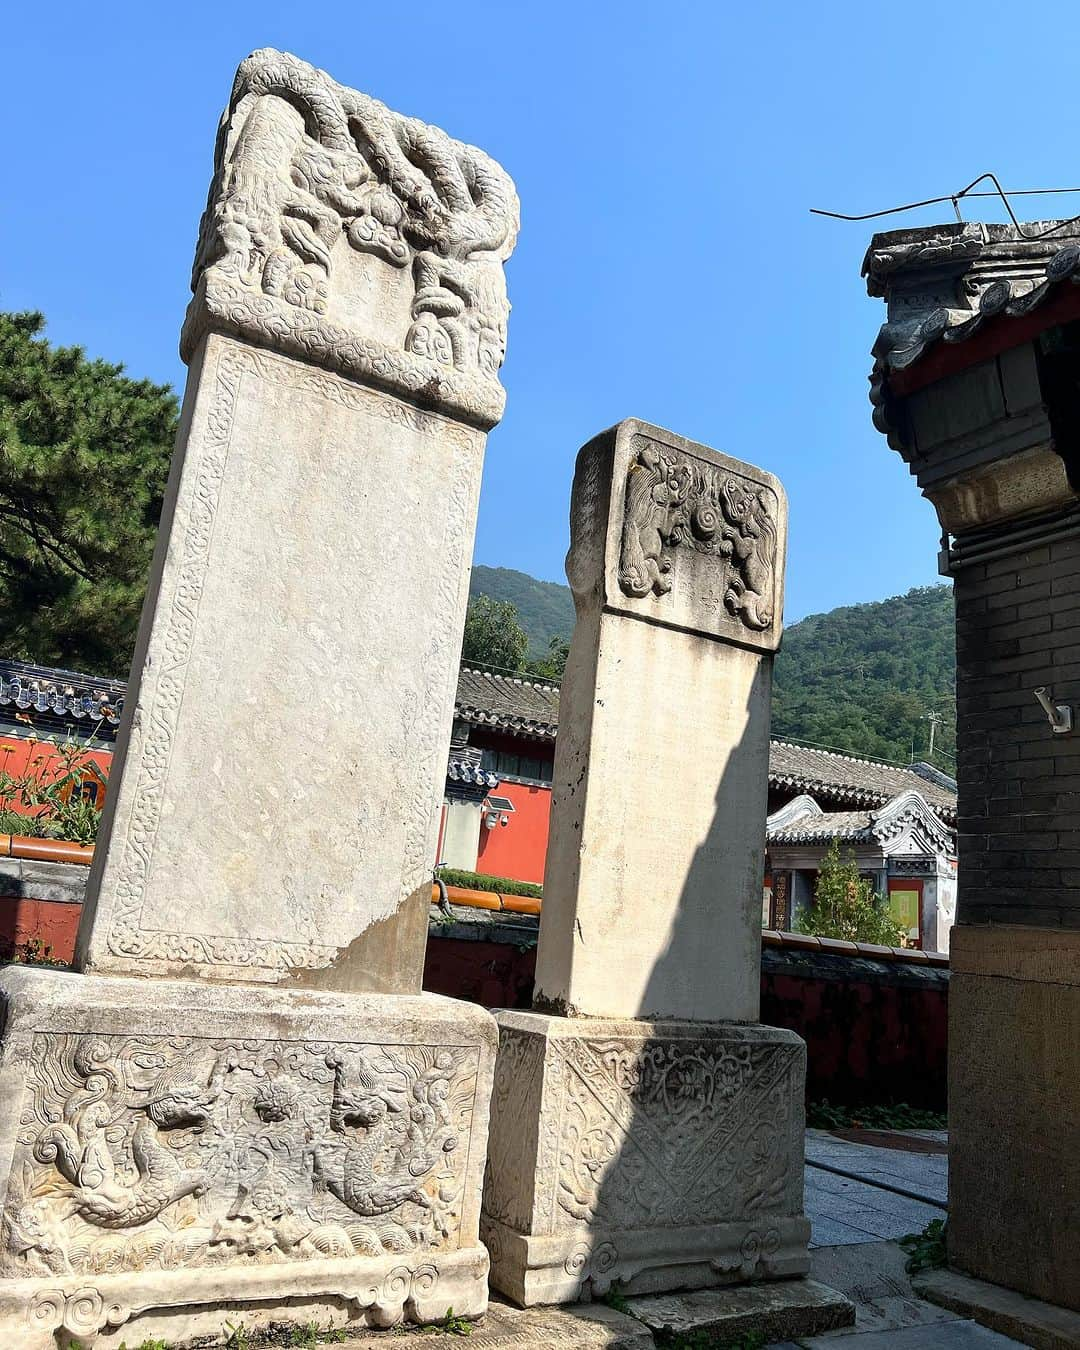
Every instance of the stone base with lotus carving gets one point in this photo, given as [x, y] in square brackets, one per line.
[175, 1157]
[651, 1155]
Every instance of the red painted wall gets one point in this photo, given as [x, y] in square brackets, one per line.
[875, 1032]
[48, 922]
[517, 850]
[18, 756]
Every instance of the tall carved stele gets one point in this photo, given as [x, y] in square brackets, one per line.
[242, 1102]
[645, 1130]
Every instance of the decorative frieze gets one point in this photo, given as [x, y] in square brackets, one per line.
[304, 1133]
[621, 1151]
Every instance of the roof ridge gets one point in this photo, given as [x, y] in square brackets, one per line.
[840, 754]
[510, 679]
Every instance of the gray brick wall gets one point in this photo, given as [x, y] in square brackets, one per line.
[1018, 627]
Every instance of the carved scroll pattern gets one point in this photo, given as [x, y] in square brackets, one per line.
[154, 730]
[674, 501]
[138, 1152]
[674, 1133]
[304, 165]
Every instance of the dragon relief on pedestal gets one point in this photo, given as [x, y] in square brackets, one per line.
[672, 500]
[140, 1151]
[303, 163]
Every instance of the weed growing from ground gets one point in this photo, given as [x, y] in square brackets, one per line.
[615, 1298]
[926, 1250]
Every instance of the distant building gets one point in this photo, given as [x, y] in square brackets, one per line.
[899, 819]
[903, 847]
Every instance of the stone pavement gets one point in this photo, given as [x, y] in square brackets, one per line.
[858, 1208]
[858, 1192]
[855, 1223]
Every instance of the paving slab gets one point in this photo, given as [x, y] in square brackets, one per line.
[1031, 1321]
[959, 1335]
[844, 1210]
[923, 1175]
[873, 1276]
[781, 1308]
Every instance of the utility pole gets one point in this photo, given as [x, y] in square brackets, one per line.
[935, 719]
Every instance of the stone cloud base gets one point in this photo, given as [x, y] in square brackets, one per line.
[181, 1156]
[652, 1155]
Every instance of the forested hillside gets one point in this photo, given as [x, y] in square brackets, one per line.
[865, 679]
[545, 609]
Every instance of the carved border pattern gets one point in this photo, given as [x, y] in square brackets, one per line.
[152, 748]
[658, 1134]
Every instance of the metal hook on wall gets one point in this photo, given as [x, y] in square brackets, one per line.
[1059, 715]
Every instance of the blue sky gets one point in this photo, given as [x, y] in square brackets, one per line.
[666, 157]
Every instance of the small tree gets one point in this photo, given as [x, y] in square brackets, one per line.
[552, 666]
[847, 906]
[494, 636]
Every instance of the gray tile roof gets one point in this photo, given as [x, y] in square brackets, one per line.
[860, 781]
[848, 826]
[945, 283]
[523, 707]
[508, 703]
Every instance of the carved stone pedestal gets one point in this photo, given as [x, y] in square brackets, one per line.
[655, 1155]
[176, 1156]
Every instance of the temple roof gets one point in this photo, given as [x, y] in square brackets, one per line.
[945, 283]
[905, 817]
[522, 707]
[847, 826]
[866, 782]
[508, 703]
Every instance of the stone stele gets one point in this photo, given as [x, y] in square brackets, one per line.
[651, 1133]
[277, 780]
[178, 1152]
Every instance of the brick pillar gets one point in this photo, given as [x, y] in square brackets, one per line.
[986, 422]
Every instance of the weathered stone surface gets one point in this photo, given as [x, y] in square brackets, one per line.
[169, 1149]
[298, 600]
[1014, 1109]
[1028, 1321]
[651, 1137]
[776, 1312]
[652, 889]
[352, 237]
[655, 1156]
[591, 1327]
[312, 570]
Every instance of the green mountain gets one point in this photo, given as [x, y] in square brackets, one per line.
[870, 679]
[545, 608]
[873, 679]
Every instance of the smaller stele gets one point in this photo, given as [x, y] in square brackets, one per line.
[646, 1130]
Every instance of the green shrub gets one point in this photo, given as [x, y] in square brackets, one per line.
[476, 881]
[846, 905]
